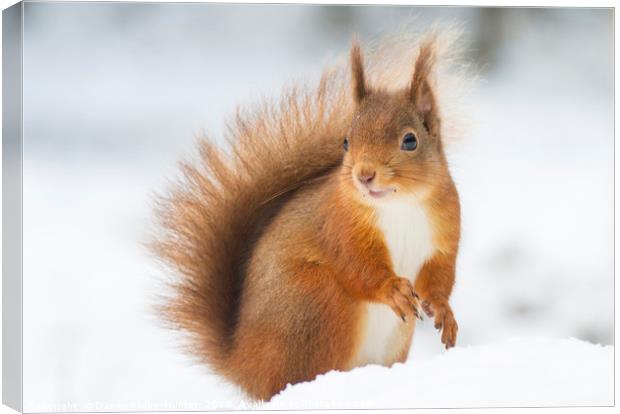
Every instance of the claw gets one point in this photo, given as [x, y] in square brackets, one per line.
[417, 313]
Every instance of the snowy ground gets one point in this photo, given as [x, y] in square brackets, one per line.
[109, 113]
[517, 372]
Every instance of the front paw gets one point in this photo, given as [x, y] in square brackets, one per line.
[397, 292]
[444, 320]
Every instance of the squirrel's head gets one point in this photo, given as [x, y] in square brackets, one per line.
[393, 147]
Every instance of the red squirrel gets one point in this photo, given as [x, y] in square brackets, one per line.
[318, 238]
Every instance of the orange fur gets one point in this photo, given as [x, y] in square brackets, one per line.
[277, 244]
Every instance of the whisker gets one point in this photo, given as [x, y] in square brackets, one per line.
[423, 180]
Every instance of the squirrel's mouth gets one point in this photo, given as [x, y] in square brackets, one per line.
[379, 193]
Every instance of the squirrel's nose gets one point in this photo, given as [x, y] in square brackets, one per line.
[366, 177]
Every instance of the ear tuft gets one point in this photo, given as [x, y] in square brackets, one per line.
[421, 92]
[357, 72]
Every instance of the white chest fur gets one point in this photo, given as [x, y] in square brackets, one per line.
[408, 235]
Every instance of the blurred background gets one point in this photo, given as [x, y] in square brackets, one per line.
[115, 93]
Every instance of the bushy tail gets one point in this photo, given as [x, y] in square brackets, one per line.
[211, 217]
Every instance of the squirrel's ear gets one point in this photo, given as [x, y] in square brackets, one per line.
[357, 72]
[421, 92]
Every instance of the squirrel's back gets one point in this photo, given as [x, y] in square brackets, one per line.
[295, 320]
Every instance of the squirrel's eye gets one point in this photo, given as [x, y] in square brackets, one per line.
[410, 142]
[345, 144]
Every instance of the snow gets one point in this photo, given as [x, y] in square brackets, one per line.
[517, 372]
